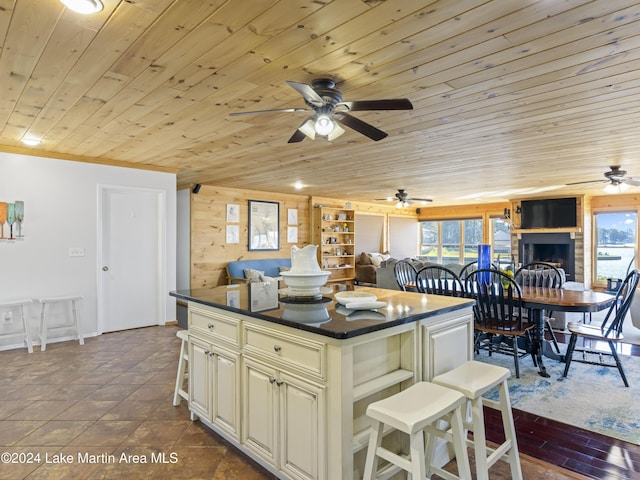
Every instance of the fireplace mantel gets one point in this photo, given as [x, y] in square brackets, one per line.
[520, 231]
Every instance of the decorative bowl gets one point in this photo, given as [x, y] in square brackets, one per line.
[305, 284]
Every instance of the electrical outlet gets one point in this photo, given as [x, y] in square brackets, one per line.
[7, 316]
[76, 252]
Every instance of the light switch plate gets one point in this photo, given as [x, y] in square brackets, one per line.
[76, 252]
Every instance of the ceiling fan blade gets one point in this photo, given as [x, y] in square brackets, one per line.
[421, 199]
[588, 181]
[632, 181]
[297, 136]
[362, 105]
[277, 110]
[308, 93]
[359, 126]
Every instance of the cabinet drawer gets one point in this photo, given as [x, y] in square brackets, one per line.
[214, 324]
[300, 353]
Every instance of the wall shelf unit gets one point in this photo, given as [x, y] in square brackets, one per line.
[334, 233]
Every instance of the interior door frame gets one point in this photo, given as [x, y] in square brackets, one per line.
[161, 199]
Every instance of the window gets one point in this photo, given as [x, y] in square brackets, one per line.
[500, 240]
[615, 241]
[451, 241]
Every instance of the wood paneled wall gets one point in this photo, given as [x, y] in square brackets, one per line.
[209, 251]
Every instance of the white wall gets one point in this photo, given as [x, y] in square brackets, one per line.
[60, 199]
[184, 240]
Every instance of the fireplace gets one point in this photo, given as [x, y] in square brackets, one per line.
[555, 248]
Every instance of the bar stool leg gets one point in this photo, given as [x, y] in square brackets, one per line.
[509, 430]
[375, 440]
[43, 326]
[182, 364]
[27, 335]
[78, 324]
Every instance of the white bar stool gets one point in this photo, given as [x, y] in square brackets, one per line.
[45, 313]
[473, 379]
[182, 364]
[19, 305]
[414, 411]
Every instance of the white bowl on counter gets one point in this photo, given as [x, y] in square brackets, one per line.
[305, 284]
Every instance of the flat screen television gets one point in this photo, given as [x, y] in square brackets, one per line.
[548, 213]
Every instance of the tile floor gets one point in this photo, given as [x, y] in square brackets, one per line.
[98, 411]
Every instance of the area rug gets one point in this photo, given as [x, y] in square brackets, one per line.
[591, 397]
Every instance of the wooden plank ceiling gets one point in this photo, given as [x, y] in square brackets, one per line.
[512, 98]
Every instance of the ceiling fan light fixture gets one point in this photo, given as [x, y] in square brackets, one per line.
[402, 204]
[617, 187]
[324, 125]
[84, 7]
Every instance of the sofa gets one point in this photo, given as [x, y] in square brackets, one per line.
[385, 277]
[367, 265]
[245, 271]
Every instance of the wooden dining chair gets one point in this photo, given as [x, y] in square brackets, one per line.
[610, 331]
[499, 317]
[541, 274]
[438, 280]
[405, 274]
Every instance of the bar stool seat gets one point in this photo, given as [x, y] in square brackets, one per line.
[473, 379]
[19, 305]
[182, 375]
[415, 411]
[45, 313]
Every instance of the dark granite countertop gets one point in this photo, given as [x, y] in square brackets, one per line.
[323, 316]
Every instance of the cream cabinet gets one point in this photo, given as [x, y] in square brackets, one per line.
[446, 343]
[283, 416]
[214, 372]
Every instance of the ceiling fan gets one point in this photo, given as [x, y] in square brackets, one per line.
[403, 200]
[330, 112]
[616, 180]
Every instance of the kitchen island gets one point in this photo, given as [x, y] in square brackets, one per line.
[288, 380]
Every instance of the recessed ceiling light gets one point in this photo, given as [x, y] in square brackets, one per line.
[298, 185]
[31, 141]
[85, 7]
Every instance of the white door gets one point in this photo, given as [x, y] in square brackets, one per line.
[129, 275]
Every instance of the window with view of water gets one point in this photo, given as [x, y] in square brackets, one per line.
[500, 240]
[451, 241]
[615, 240]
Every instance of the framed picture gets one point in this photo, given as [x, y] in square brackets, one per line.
[233, 213]
[233, 234]
[264, 225]
[292, 234]
[292, 216]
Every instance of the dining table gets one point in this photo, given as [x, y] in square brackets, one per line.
[539, 299]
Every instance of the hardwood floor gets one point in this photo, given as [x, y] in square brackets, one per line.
[93, 404]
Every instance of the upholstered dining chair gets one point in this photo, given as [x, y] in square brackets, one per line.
[405, 274]
[499, 317]
[541, 274]
[610, 331]
[439, 280]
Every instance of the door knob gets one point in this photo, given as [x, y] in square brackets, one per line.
[105, 268]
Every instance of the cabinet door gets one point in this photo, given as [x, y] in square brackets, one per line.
[225, 391]
[301, 433]
[199, 378]
[447, 345]
[260, 429]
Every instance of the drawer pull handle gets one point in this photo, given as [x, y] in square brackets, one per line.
[210, 326]
[277, 348]
[272, 379]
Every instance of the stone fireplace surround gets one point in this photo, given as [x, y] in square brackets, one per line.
[556, 248]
